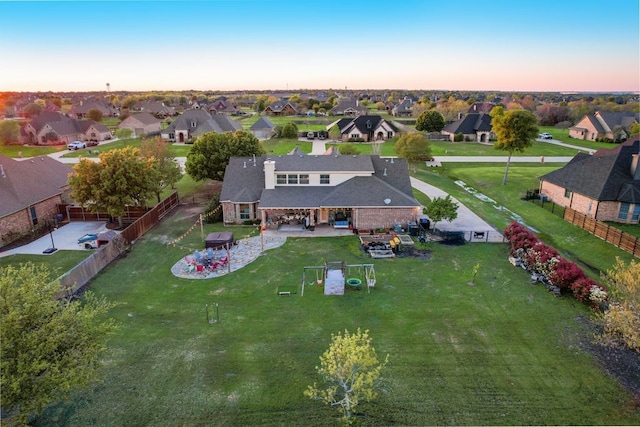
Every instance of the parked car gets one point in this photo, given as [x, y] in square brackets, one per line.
[92, 143]
[545, 135]
[76, 145]
[89, 241]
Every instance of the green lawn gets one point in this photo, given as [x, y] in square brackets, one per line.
[177, 150]
[563, 135]
[498, 353]
[60, 261]
[29, 150]
[593, 253]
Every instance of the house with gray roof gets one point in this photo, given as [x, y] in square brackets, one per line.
[52, 128]
[281, 107]
[263, 128]
[31, 191]
[141, 123]
[193, 123]
[604, 185]
[361, 192]
[403, 108]
[603, 125]
[349, 107]
[473, 127]
[364, 128]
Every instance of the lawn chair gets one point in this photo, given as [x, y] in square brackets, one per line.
[198, 257]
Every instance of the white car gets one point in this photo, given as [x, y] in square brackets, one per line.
[76, 145]
[545, 135]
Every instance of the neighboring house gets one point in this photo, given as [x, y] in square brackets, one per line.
[473, 127]
[51, 128]
[141, 123]
[403, 108]
[155, 108]
[481, 107]
[604, 186]
[80, 111]
[31, 191]
[362, 192]
[262, 129]
[222, 106]
[601, 125]
[193, 123]
[365, 128]
[349, 107]
[281, 108]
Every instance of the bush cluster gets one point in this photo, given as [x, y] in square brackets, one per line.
[546, 261]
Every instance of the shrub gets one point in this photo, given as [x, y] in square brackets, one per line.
[582, 289]
[213, 212]
[354, 139]
[458, 137]
[541, 258]
[565, 273]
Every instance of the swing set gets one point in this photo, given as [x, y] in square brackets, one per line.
[334, 275]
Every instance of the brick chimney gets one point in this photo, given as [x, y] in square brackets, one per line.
[269, 174]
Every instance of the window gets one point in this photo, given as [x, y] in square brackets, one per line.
[304, 179]
[624, 210]
[281, 179]
[292, 179]
[567, 193]
[324, 179]
[34, 217]
[245, 212]
[636, 213]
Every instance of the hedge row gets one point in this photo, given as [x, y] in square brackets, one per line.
[545, 261]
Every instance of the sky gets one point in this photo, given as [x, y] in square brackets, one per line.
[224, 45]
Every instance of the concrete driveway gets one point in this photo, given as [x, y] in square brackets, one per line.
[65, 237]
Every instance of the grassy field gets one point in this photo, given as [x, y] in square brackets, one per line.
[60, 261]
[29, 150]
[593, 253]
[500, 352]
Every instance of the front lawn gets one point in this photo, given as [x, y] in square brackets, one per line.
[17, 151]
[499, 352]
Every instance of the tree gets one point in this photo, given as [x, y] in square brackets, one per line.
[9, 132]
[622, 318]
[121, 177]
[635, 129]
[348, 150]
[124, 133]
[515, 130]
[441, 209]
[49, 347]
[32, 110]
[430, 121]
[211, 153]
[351, 371]
[290, 130]
[167, 170]
[95, 115]
[414, 147]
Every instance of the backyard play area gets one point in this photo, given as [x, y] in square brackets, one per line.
[496, 351]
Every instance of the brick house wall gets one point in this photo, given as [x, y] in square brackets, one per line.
[231, 212]
[372, 218]
[602, 211]
[19, 223]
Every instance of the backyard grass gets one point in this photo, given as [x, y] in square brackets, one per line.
[176, 150]
[60, 261]
[501, 352]
[594, 254]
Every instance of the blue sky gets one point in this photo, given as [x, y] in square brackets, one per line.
[519, 45]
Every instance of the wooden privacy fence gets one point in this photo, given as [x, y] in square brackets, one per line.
[78, 213]
[625, 241]
[151, 218]
[76, 278]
